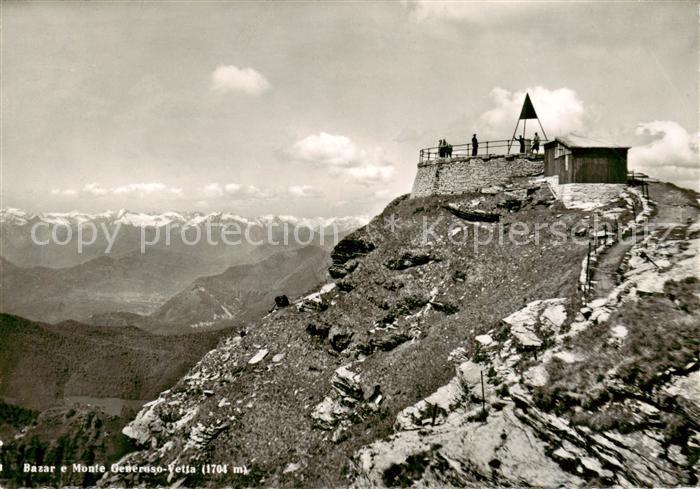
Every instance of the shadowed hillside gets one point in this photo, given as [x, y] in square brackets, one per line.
[41, 364]
[244, 291]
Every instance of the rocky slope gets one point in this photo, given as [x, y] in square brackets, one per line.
[356, 382]
[310, 384]
[609, 396]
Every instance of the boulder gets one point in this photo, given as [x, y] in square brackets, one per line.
[408, 260]
[492, 190]
[320, 330]
[388, 343]
[281, 301]
[258, 357]
[511, 204]
[339, 337]
[484, 339]
[444, 307]
[345, 286]
[347, 383]
[473, 215]
[350, 248]
[525, 335]
[341, 270]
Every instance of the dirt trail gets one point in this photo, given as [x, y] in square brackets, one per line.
[675, 209]
[605, 276]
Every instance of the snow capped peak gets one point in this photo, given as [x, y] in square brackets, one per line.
[13, 211]
[14, 215]
[19, 217]
[227, 216]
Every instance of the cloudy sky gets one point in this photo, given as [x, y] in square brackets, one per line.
[320, 108]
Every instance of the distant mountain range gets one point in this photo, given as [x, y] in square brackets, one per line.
[18, 245]
[133, 283]
[164, 292]
[171, 283]
[20, 217]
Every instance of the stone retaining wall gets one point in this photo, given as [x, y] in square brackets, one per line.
[459, 175]
[586, 196]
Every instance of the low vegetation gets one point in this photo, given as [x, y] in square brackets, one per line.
[603, 391]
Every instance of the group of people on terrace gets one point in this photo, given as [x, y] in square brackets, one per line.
[445, 149]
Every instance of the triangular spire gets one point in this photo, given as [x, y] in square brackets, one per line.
[528, 110]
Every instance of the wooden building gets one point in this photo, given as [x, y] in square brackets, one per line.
[576, 159]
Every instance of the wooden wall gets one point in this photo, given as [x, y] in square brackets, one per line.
[588, 165]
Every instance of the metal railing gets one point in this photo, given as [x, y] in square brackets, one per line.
[633, 176]
[484, 148]
[640, 180]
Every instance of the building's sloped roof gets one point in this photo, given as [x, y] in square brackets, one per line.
[577, 141]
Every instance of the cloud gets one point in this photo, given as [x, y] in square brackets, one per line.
[341, 156]
[560, 112]
[237, 191]
[326, 149]
[430, 10]
[408, 134]
[230, 78]
[68, 192]
[244, 192]
[671, 153]
[213, 190]
[303, 191]
[370, 174]
[384, 193]
[94, 189]
[473, 12]
[145, 188]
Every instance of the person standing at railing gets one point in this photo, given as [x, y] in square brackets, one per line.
[536, 144]
[521, 140]
[475, 145]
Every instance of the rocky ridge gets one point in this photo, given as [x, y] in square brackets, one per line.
[328, 379]
[514, 438]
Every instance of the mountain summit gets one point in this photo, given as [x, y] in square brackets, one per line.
[439, 356]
